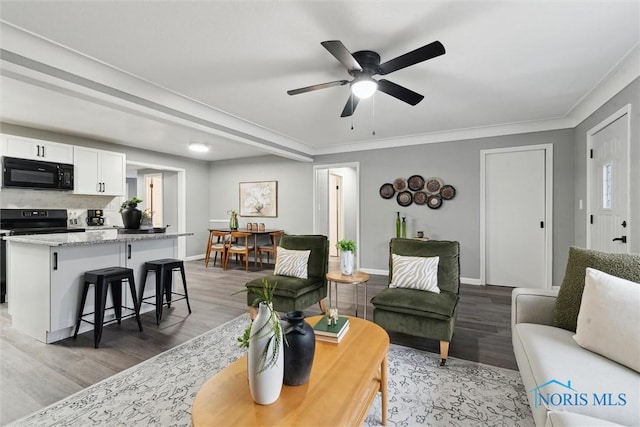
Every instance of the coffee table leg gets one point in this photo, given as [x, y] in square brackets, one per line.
[383, 389]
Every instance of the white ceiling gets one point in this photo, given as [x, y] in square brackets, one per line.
[218, 71]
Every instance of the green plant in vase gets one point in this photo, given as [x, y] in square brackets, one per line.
[347, 250]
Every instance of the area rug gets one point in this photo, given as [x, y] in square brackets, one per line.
[160, 391]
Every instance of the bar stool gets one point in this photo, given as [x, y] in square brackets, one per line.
[101, 279]
[163, 269]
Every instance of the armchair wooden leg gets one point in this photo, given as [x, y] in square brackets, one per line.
[323, 305]
[253, 312]
[444, 352]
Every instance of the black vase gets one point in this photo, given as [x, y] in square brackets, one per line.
[131, 217]
[298, 354]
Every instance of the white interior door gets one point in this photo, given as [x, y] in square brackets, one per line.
[608, 198]
[154, 198]
[336, 221]
[516, 218]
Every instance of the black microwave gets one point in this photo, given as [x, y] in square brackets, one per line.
[23, 173]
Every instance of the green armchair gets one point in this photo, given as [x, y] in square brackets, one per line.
[292, 293]
[417, 312]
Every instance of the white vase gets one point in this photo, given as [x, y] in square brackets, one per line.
[265, 383]
[346, 263]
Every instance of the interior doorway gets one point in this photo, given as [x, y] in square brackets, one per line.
[608, 184]
[336, 200]
[171, 184]
[516, 216]
[336, 212]
[153, 184]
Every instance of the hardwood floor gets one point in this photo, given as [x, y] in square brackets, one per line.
[34, 375]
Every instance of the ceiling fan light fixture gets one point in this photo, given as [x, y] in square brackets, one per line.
[199, 147]
[364, 87]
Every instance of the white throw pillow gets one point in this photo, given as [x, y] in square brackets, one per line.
[609, 318]
[291, 263]
[415, 272]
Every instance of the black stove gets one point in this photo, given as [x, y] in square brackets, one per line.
[21, 222]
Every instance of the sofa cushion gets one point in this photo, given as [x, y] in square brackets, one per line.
[550, 361]
[447, 251]
[291, 263]
[609, 318]
[415, 272]
[626, 266]
[319, 247]
[569, 419]
[419, 303]
[290, 287]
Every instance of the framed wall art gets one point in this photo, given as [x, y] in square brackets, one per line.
[259, 198]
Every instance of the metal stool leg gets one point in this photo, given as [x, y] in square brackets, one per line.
[159, 294]
[83, 300]
[116, 295]
[136, 307]
[100, 301]
[184, 285]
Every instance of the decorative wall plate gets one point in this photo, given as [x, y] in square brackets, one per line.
[433, 185]
[400, 184]
[404, 198]
[387, 191]
[434, 201]
[448, 192]
[419, 197]
[416, 183]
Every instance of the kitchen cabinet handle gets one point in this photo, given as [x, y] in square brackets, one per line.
[55, 260]
[43, 153]
[38, 155]
[128, 251]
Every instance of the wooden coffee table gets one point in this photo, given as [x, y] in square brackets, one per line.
[345, 379]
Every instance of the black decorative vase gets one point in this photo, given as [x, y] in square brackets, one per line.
[298, 354]
[131, 217]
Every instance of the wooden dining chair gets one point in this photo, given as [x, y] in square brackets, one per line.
[271, 247]
[217, 243]
[241, 243]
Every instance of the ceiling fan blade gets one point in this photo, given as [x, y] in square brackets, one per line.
[316, 87]
[337, 49]
[351, 105]
[400, 92]
[415, 56]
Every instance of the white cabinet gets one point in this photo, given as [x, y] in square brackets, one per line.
[139, 252]
[99, 172]
[35, 149]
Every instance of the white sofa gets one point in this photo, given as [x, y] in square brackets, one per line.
[566, 384]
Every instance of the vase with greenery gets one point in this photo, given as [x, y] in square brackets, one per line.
[265, 358]
[131, 215]
[233, 219]
[347, 250]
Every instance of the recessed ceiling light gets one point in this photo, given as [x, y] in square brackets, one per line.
[199, 147]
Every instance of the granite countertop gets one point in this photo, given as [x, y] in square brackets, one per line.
[91, 237]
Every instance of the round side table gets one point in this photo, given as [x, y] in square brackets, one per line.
[357, 277]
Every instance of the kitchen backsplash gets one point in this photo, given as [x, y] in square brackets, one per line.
[75, 204]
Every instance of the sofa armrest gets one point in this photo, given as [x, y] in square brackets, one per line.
[529, 305]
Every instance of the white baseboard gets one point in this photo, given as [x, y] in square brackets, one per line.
[469, 281]
[194, 257]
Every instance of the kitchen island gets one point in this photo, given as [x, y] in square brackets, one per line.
[45, 275]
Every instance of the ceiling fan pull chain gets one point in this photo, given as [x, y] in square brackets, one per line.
[351, 99]
[373, 114]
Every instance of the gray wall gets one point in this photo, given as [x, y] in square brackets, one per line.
[295, 190]
[629, 95]
[197, 176]
[456, 163]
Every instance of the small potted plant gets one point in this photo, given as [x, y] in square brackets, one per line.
[233, 219]
[347, 249]
[131, 215]
[147, 219]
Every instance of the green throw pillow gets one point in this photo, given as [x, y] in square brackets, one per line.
[625, 266]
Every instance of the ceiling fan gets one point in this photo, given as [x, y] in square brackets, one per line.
[365, 64]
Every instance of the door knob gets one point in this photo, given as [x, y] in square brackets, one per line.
[622, 239]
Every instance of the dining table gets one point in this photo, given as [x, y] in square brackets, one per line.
[255, 233]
